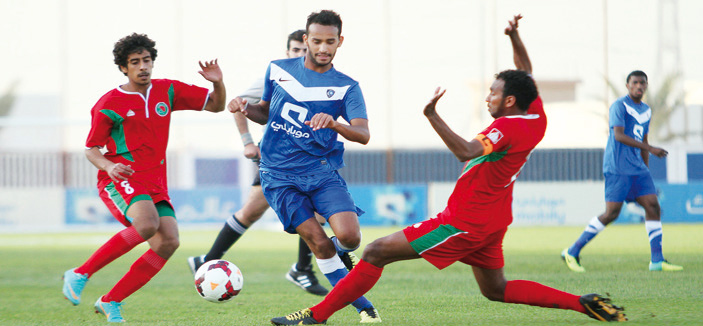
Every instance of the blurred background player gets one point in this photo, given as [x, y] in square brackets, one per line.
[300, 153]
[301, 273]
[132, 121]
[627, 176]
[471, 229]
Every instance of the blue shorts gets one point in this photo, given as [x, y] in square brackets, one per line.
[620, 187]
[296, 198]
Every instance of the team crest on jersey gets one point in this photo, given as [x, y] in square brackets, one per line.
[495, 135]
[162, 109]
[330, 93]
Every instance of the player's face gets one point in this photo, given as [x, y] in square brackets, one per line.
[139, 67]
[495, 100]
[322, 42]
[636, 87]
[296, 49]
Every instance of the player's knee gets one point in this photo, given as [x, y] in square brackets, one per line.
[147, 230]
[373, 252]
[350, 240]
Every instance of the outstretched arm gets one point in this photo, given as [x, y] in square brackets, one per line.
[462, 149]
[520, 57]
[211, 71]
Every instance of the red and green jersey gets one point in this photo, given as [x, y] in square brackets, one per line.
[134, 128]
[482, 198]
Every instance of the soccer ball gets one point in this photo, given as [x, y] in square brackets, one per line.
[218, 281]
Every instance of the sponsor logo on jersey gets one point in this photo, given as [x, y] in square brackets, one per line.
[289, 130]
[130, 113]
[292, 129]
[495, 135]
[161, 109]
[330, 93]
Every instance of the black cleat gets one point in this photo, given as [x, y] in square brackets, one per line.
[302, 317]
[306, 280]
[349, 259]
[600, 308]
[195, 262]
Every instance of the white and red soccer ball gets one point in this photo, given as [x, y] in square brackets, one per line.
[218, 281]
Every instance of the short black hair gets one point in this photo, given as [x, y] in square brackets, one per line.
[134, 43]
[638, 73]
[295, 36]
[520, 84]
[325, 18]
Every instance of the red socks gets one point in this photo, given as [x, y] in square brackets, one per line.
[535, 294]
[118, 245]
[139, 274]
[359, 281]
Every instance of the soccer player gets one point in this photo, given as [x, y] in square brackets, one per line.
[627, 176]
[471, 229]
[301, 273]
[132, 123]
[300, 153]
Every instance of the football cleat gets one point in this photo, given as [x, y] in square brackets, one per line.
[665, 266]
[302, 317]
[349, 259]
[112, 310]
[195, 262]
[369, 316]
[600, 308]
[306, 280]
[73, 284]
[573, 263]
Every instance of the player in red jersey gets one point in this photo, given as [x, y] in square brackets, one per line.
[132, 123]
[471, 229]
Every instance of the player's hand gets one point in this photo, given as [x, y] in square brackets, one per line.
[252, 152]
[321, 120]
[211, 71]
[512, 24]
[658, 152]
[430, 107]
[238, 104]
[119, 172]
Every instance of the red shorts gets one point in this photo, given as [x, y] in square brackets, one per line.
[118, 197]
[442, 244]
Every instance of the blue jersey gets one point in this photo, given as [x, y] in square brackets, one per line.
[620, 158]
[296, 94]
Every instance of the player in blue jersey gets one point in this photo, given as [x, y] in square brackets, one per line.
[301, 273]
[300, 153]
[627, 177]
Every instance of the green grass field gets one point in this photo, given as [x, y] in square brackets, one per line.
[409, 293]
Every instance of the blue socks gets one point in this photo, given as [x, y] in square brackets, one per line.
[654, 229]
[592, 229]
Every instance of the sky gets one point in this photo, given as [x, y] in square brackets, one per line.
[58, 54]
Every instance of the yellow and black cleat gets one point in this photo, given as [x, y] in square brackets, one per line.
[600, 308]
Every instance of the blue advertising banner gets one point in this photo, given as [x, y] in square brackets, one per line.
[680, 203]
[202, 205]
[391, 205]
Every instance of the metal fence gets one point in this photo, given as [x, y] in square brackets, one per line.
[362, 167]
[422, 166]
